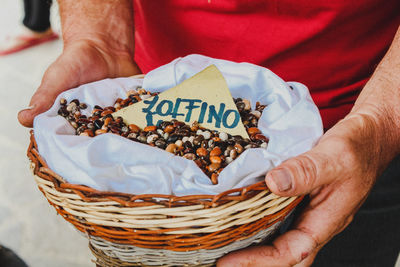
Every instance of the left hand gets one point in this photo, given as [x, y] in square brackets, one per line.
[338, 174]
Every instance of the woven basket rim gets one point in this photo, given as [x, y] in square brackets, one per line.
[186, 223]
[89, 194]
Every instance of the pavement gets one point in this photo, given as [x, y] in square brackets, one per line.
[28, 224]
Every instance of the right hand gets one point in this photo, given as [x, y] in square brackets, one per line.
[81, 62]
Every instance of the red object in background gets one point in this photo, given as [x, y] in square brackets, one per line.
[330, 46]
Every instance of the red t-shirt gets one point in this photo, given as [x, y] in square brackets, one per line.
[330, 46]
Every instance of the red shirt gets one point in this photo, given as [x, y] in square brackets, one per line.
[330, 46]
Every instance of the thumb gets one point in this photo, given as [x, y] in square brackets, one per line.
[301, 174]
[56, 79]
[41, 101]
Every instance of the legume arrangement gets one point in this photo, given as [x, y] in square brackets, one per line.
[211, 150]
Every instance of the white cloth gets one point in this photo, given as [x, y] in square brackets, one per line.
[110, 162]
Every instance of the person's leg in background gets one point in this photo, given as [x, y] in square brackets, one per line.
[36, 30]
[10, 259]
[37, 15]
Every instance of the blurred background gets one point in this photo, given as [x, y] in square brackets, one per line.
[28, 224]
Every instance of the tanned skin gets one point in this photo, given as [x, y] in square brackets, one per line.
[338, 173]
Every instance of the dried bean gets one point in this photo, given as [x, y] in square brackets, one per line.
[215, 159]
[171, 148]
[189, 156]
[160, 143]
[247, 105]
[261, 137]
[169, 129]
[132, 136]
[172, 138]
[223, 136]
[100, 131]
[211, 150]
[214, 178]
[150, 128]
[179, 143]
[253, 130]
[197, 140]
[215, 152]
[134, 128]
[238, 148]
[206, 135]
[213, 167]
[201, 152]
[106, 112]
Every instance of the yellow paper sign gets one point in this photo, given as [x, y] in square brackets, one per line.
[204, 98]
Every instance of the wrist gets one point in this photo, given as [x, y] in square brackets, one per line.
[108, 24]
[371, 136]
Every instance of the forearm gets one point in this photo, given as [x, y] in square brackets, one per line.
[108, 23]
[379, 103]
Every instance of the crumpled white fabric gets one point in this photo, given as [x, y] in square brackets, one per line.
[110, 162]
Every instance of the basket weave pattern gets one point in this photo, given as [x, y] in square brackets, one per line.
[161, 222]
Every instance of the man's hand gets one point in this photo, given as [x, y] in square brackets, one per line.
[81, 62]
[338, 173]
[98, 44]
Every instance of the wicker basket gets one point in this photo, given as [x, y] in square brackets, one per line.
[163, 230]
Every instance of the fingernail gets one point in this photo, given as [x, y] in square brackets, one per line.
[304, 255]
[29, 108]
[282, 178]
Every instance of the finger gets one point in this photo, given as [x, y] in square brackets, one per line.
[330, 210]
[308, 260]
[302, 174]
[287, 250]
